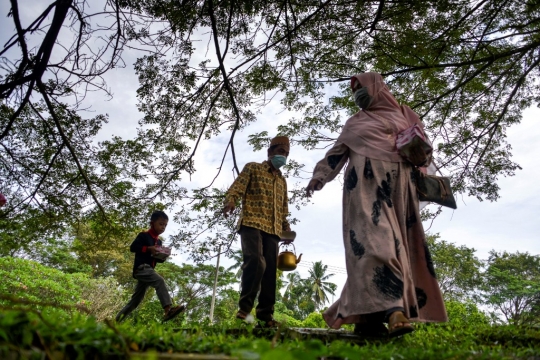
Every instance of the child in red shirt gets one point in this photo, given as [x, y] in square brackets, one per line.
[144, 246]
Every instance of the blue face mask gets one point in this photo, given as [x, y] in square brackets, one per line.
[278, 161]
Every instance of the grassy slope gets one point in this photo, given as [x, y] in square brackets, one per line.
[76, 335]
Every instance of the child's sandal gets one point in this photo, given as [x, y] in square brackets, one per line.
[242, 315]
[173, 312]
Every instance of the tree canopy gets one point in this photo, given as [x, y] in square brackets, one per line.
[469, 68]
[457, 267]
[512, 286]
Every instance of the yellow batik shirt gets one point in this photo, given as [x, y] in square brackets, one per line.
[264, 198]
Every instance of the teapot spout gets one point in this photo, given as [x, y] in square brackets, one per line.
[299, 258]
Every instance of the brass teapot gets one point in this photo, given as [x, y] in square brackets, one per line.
[287, 260]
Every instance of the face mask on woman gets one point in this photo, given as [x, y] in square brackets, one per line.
[362, 98]
[278, 161]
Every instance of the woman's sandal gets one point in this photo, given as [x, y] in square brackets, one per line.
[173, 312]
[394, 329]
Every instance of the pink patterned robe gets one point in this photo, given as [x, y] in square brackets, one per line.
[388, 262]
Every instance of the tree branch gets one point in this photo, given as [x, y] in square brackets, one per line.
[505, 109]
[226, 82]
[493, 57]
[66, 141]
[377, 16]
[44, 53]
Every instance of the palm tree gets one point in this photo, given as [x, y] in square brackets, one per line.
[297, 296]
[319, 287]
[238, 258]
[293, 282]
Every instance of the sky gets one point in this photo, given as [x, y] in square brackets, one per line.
[510, 224]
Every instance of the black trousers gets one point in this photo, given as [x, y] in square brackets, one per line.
[260, 251]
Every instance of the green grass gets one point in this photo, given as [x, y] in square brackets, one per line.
[82, 337]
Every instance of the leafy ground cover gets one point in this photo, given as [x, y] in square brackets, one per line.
[56, 334]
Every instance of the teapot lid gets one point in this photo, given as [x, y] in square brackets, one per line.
[288, 250]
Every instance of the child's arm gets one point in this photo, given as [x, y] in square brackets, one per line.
[140, 245]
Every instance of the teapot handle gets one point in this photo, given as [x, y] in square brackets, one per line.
[283, 244]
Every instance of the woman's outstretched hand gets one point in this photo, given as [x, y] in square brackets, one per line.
[313, 185]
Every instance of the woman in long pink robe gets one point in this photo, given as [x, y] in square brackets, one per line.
[389, 266]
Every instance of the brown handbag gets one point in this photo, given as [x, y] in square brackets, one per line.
[435, 189]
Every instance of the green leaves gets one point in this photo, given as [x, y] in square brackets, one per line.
[48, 194]
[508, 283]
[458, 269]
[468, 68]
[80, 337]
[303, 296]
[35, 287]
[192, 285]
[512, 286]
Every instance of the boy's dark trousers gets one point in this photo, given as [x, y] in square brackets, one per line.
[146, 277]
[260, 251]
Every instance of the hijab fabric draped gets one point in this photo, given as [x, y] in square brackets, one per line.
[372, 132]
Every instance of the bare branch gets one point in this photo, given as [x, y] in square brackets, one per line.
[377, 16]
[493, 57]
[495, 125]
[226, 82]
[66, 141]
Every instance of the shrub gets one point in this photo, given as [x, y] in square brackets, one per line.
[314, 320]
[103, 297]
[287, 320]
[465, 313]
[32, 282]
